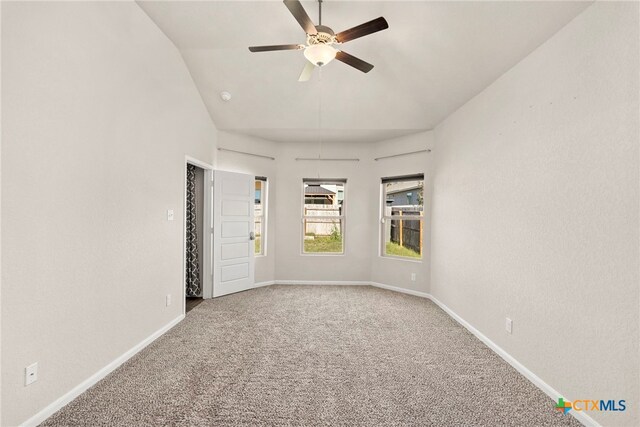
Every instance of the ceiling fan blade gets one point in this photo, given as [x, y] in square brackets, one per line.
[298, 12]
[306, 72]
[361, 30]
[358, 63]
[276, 47]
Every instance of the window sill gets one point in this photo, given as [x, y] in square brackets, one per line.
[322, 254]
[399, 258]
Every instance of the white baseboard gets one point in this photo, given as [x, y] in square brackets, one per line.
[93, 379]
[267, 283]
[401, 290]
[536, 380]
[322, 282]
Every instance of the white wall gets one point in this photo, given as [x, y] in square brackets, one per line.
[258, 166]
[535, 210]
[99, 112]
[284, 261]
[394, 271]
[361, 261]
[355, 264]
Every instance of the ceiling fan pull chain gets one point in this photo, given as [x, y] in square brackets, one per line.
[320, 113]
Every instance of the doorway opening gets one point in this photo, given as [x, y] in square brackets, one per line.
[197, 233]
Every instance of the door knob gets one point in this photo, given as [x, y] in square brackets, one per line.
[252, 236]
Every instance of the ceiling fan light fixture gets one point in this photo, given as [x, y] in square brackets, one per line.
[320, 54]
[320, 38]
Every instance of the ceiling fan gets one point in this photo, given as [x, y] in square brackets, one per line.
[321, 40]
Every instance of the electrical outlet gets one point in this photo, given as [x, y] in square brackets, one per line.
[31, 374]
[413, 277]
[508, 325]
[170, 215]
[168, 300]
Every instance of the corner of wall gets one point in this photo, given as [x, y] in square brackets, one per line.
[401, 156]
[529, 210]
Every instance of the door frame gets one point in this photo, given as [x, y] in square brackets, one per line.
[207, 230]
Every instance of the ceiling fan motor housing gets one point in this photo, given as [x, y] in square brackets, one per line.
[325, 35]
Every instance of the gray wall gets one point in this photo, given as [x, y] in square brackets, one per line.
[284, 260]
[535, 210]
[393, 271]
[355, 264]
[99, 112]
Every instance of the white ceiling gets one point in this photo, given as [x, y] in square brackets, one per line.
[434, 57]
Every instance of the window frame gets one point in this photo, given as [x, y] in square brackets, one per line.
[342, 217]
[383, 218]
[265, 213]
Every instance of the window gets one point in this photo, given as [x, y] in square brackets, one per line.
[323, 216]
[260, 215]
[402, 216]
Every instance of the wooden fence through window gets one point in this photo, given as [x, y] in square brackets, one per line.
[407, 232]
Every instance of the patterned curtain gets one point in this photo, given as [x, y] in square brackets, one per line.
[193, 266]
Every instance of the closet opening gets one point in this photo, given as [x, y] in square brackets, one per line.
[197, 234]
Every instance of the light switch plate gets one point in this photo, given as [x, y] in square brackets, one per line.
[508, 325]
[170, 215]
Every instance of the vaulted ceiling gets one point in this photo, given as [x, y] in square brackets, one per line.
[434, 57]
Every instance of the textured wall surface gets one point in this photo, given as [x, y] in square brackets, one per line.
[355, 264]
[99, 112]
[361, 261]
[394, 271]
[534, 213]
[535, 210]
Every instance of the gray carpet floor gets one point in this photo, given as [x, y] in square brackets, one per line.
[314, 355]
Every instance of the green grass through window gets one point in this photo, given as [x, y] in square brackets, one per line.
[395, 249]
[323, 244]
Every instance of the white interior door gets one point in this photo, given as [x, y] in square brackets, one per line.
[233, 262]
